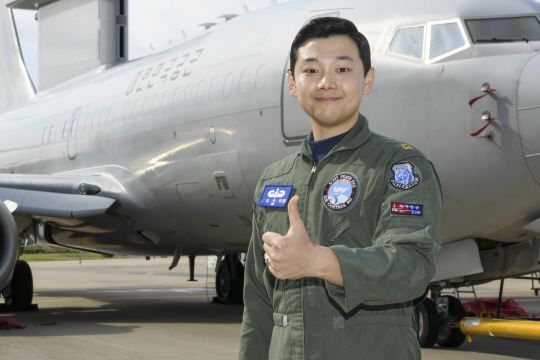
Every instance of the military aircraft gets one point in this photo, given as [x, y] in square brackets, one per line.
[160, 156]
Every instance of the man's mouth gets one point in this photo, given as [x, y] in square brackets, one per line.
[327, 99]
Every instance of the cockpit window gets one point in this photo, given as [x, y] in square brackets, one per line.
[444, 39]
[409, 42]
[526, 28]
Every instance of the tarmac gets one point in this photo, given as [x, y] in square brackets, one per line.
[138, 309]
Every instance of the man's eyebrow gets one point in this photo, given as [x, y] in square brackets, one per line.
[339, 57]
[344, 57]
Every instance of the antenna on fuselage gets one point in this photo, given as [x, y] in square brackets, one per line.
[207, 25]
[228, 17]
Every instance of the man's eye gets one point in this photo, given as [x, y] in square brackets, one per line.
[343, 69]
[310, 71]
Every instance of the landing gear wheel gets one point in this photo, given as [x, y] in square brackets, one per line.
[451, 336]
[20, 290]
[230, 280]
[427, 320]
[223, 283]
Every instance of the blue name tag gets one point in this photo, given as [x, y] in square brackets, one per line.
[275, 195]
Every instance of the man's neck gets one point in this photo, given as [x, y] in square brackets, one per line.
[322, 133]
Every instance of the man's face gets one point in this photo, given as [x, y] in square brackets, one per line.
[329, 83]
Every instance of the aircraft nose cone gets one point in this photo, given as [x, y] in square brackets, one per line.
[528, 114]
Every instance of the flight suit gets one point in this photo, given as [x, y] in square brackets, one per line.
[377, 204]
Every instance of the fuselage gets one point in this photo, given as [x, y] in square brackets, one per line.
[187, 132]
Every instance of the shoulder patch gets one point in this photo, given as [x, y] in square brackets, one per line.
[341, 192]
[407, 209]
[275, 195]
[404, 176]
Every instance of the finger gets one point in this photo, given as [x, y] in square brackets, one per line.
[294, 214]
[269, 238]
[267, 249]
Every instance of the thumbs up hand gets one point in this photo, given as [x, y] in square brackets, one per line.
[290, 256]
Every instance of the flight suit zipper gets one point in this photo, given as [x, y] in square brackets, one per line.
[313, 170]
[307, 195]
[303, 293]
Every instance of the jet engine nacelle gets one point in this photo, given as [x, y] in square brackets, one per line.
[9, 245]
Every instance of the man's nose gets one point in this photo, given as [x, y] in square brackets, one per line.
[328, 81]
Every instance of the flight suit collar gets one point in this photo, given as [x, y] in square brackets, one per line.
[355, 138]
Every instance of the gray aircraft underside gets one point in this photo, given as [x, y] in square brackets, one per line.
[160, 156]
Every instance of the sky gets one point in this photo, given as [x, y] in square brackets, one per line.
[153, 25]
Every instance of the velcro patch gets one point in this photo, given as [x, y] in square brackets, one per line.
[341, 192]
[405, 176]
[407, 209]
[275, 195]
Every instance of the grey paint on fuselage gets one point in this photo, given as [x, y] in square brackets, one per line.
[168, 126]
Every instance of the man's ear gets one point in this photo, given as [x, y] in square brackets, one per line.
[368, 81]
[292, 84]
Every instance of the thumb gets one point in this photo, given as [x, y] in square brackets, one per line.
[294, 214]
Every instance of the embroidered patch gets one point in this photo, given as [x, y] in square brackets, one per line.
[407, 209]
[406, 146]
[405, 176]
[341, 192]
[275, 195]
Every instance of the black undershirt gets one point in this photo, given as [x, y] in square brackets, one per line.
[322, 147]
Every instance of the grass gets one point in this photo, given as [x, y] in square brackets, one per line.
[39, 253]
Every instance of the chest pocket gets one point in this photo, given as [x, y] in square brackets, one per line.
[276, 219]
[273, 219]
[352, 228]
[350, 201]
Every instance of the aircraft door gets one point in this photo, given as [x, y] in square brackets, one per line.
[295, 123]
[528, 114]
[72, 133]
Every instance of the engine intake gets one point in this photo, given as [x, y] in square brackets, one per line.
[9, 245]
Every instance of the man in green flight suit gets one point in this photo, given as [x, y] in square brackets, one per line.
[345, 231]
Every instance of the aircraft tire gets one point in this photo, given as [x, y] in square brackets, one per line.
[427, 321]
[452, 337]
[20, 291]
[230, 290]
[9, 245]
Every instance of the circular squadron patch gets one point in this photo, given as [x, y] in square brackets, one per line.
[341, 192]
[405, 176]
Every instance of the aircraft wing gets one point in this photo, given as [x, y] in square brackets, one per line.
[64, 197]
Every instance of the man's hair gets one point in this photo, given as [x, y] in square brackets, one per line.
[326, 27]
